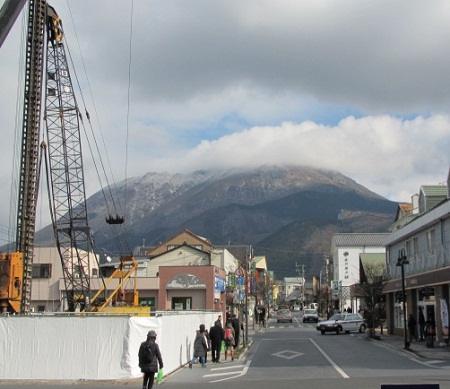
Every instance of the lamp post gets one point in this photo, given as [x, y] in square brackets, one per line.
[402, 261]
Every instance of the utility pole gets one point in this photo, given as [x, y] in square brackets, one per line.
[301, 272]
[246, 290]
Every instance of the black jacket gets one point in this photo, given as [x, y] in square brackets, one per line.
[216, 335]
[150, 366]
[236, 326]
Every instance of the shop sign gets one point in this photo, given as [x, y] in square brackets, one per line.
[427, 291]
[219, 284]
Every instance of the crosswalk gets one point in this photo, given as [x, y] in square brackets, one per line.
[291, 325]
[226, 373]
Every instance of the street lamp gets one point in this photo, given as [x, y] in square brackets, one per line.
[402, 261]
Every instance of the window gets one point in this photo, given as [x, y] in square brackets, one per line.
[77, 271]
[94, 272]
[399, 315]
[147, 302]
[409, 252]
[181, 303]
[431, 241]
[41, 270]
[415, 252]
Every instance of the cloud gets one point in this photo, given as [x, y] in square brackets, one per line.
[361, 87]
[388, 155]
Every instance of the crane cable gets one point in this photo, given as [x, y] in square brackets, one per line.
[110, 187]
[128, 102]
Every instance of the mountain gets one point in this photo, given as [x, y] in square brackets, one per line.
[287, 213]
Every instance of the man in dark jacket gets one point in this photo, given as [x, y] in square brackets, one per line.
[216, 335]
[149, 357]
[237, 329]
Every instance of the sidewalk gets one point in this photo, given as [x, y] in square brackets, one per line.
[418, 348]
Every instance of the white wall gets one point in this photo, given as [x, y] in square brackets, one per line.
[92, 347]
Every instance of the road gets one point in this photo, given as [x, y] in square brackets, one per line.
[296, 355]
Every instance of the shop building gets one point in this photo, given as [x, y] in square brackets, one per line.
[425, 242]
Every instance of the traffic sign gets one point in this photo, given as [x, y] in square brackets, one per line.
[239, 272]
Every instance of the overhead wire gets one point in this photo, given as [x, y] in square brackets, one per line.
[13, 201]
[128, 102]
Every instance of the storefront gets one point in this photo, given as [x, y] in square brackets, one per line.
[428, 291]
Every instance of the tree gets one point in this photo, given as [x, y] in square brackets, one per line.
[373, 279]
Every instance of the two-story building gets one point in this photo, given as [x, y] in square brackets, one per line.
[185, 272]
[346, 251]
[423, 246]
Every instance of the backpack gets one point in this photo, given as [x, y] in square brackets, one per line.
[228, 334]
[148, 354]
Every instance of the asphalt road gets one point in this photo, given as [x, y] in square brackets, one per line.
[286, 356]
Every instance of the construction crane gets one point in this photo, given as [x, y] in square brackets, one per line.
[64, 166]
[15, 288]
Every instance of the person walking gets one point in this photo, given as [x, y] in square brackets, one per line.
[230, 336]
[216, 335]
[237, 330]
[262, 317]
[412, 327]
[149, 358]
[200, 347]
[421, 325]
[208, 341]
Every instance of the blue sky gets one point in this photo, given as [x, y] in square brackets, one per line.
[361, 87]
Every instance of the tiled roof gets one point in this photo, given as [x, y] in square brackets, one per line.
[406, 207]
[240, 252]
[359, 239]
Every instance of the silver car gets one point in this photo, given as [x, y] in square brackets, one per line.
[342, 322]
[310, 315]
[284, 315]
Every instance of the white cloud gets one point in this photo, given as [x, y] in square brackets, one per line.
[388, 155]
[361, 87]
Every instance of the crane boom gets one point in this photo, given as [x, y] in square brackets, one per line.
[67, 191]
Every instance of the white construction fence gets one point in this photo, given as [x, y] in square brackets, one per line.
[91, 347]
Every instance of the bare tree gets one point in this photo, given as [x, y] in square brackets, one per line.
[373, 279]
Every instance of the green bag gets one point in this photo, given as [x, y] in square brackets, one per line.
[222, 347]
[160, 375]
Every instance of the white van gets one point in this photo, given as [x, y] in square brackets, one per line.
[314, 306]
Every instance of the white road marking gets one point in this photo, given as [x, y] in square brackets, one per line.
[288, 354]
[437, 361]
[236, 374]
[332, 363]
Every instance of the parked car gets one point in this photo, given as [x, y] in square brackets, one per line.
[310, 315]
[284, 315]
[296, 307]
[343, 322]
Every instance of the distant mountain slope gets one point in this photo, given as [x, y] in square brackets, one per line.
[287, 213]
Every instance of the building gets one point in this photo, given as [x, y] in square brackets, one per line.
[47, 280]
[346, 250]
[425, 242]
[185, 272]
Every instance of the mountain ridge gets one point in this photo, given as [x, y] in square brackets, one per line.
[276, 209]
